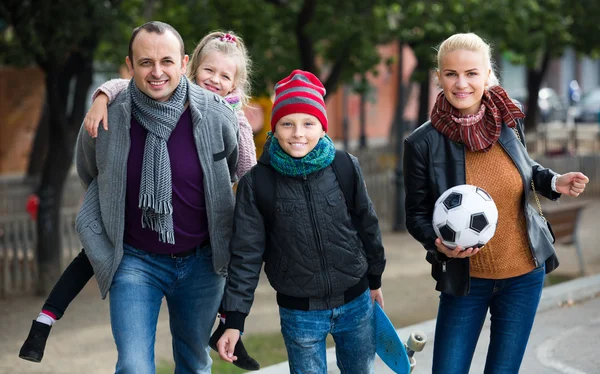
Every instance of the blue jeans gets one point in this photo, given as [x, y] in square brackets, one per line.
[193, 292]
[353, 329]
[512, 302]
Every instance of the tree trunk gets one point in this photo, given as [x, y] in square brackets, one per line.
[424, 99]
[38, 153]
[534, 82]
[63, 129]
[362, 143]
[399, 125]
[50, 190]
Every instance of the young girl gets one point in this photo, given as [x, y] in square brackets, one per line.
[220, 64]
[475, 136]
[325, 276]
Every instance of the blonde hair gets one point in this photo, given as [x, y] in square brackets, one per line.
[232, 46]
[470, 42]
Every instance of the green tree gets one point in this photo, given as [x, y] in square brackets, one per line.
[60, 37]
[334, 39]
[535, 32]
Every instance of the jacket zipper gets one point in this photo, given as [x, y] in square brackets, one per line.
[525, 189]
[313, 220]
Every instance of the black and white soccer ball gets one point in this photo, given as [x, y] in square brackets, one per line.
[465, 216]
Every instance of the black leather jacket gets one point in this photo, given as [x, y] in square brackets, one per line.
[432, 164]
[312, 253]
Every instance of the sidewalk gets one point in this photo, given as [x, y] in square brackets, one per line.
[82, 341]
[563, 341]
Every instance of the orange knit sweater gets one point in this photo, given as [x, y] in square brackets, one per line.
[507, 254]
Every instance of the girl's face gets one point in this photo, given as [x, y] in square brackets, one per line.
[298, 133]
[463, 75]
[216, 73]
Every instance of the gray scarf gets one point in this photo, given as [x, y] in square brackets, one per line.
[159, 119]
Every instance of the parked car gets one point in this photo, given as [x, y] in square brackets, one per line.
[588, 108]
[550, 106]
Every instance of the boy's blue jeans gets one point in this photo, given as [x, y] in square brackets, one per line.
[512, 302]
[353, 329]
[193, 292]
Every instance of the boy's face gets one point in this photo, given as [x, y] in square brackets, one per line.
[298, 133]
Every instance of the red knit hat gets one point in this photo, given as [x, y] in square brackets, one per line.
[300, 92]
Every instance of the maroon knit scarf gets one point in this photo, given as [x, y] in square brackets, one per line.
[478, 132]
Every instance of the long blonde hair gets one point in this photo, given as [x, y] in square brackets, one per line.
[470, 42]
[230, 45]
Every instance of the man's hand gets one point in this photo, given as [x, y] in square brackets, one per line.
[98, 112]
[226, 344]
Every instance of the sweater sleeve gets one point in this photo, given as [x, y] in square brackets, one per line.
[111, 89]
[247, 148]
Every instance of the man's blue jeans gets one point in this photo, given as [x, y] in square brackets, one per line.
[193, 292]
[512, 302]
[353, 329]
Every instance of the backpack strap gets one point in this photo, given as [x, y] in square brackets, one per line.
[343, 167]
[264, 193]
[345, 173]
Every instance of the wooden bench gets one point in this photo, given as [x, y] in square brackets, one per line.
[565, 225]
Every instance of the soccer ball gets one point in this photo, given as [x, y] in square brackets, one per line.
[465, 216]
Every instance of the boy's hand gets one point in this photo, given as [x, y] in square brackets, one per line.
[226, 344]
[98, 112]
[377, 296]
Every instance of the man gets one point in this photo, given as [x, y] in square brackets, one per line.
[156, 218]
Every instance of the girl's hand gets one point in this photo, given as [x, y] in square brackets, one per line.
[226, 344]
[457, 252]
[571, 184]
[98, 112]
[377, 296]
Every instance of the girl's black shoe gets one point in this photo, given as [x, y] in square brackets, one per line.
[33, 348]
[244, 361]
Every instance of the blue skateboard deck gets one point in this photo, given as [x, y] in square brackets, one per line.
[388, 345]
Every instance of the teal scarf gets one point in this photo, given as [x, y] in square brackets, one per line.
[319, 158]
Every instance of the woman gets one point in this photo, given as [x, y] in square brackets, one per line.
[475, 136]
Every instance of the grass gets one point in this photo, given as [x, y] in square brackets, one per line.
[552, 278]
[267, 349]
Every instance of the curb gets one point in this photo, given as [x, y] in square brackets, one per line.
[555, 296]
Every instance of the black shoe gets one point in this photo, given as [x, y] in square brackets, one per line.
[244, 361]
[33, 348]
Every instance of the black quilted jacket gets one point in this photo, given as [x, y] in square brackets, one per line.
[313, 251]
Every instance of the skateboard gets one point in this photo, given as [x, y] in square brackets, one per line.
[395, 354]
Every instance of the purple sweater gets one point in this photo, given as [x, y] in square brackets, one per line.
[189, 208]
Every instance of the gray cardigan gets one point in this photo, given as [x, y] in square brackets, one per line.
[102, 167]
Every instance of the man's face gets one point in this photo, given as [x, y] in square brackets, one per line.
[157, 65]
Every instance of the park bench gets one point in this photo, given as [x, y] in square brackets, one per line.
[565, 219]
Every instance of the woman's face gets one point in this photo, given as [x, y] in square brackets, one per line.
[463, 76]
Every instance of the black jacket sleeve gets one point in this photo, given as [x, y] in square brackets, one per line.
[367, 219]
[247, 248]
[418, 203]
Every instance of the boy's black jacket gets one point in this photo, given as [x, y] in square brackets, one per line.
[312, 252]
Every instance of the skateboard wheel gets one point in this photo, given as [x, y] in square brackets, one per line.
[416, 341]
